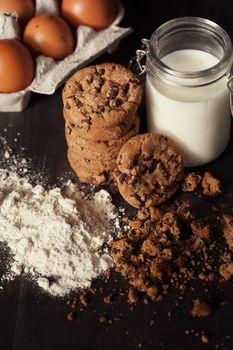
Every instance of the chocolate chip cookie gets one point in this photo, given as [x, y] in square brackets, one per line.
[102, 96]
[99, 150]
[97, 134]
[86, 174]
[94, 165]
[149, 170]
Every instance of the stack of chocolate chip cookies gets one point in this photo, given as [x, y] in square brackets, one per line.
[100, 105]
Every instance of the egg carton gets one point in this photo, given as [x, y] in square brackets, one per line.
[51, 74]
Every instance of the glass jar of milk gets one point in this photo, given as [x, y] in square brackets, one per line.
[188, 64]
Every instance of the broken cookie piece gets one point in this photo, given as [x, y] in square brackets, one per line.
[185, 212]
[201, 308]
[190, 182]
[227, 227]
[133, 295]
[226, 270]
[211, 185]
[201, 229]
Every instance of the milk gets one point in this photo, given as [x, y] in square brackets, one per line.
[196, 118]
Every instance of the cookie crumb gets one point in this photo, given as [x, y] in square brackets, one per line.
[73, 304]
[151, 323]
[201, 308]
[226, 270]
[210, 184]
[113, 188]
[92, 290]
[71, 316]
[204, 339]
[133, 296]
[227, 227]
[116, 318]
[103, 319]
[190, 182]
[201, 229]
[185, 212]
[108, 299]
[83, 299]
[108, 274]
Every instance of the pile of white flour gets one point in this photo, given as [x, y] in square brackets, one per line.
[55, 235]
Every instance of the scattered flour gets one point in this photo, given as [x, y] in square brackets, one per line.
[56, 235]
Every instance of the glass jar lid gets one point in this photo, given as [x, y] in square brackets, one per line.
[188, 33]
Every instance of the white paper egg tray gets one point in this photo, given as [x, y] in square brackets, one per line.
[50, 74]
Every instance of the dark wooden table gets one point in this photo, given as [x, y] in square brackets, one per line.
[31, 321]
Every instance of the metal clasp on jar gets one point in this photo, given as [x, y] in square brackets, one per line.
[230, 87]
[137, 64]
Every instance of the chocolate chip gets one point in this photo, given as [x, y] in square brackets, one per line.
[113, 84]
[135, 86]
[117, 172]
[152, 166]
[86, 120]
[105, 175]
[100, 81]
[78, 86]
[112, 93]
[138, 198]
[122, 178]
[89, 79]
[149, 158]
[113, 188]
[69, 129]
[125, 88]
[78, 104]
[141, 170]
[72, 97]
[100, 71]
[133, 162]
[67, 106]
[134, 82]
[113, 67]
[149, 225]
[95, 90]
[100, 108]
[118, 102]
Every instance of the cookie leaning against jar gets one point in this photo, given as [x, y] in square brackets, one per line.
[102, 96]
[149, 170]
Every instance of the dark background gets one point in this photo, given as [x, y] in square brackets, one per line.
[31, 321]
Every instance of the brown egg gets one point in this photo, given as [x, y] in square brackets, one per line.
[98, 14]
[16, 66]
[50, 36]
[24, 8]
